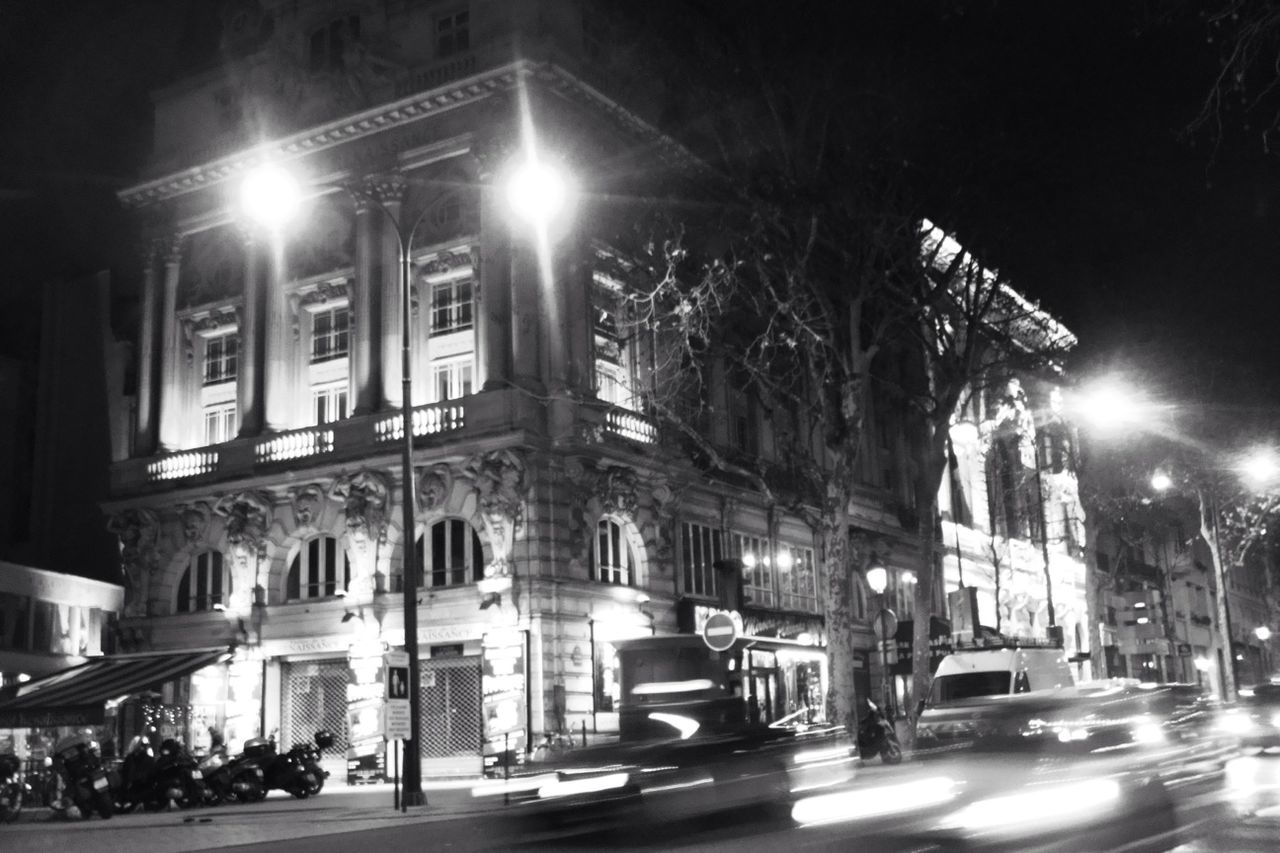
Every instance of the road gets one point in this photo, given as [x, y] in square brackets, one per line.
[1239, 813]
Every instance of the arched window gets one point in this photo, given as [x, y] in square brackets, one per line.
[456, 556]
[204, 584]
[319, 570]
[612, 558]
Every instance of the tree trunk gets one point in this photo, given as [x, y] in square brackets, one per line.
[927, 580]
[1209, 532]
[833, 542]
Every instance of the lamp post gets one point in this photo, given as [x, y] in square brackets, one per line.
[271, 195]
[878, 580]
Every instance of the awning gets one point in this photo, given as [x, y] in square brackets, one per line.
[78, 696]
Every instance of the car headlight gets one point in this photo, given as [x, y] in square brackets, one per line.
[587, 785]
[1062, 804]
[1236, 724]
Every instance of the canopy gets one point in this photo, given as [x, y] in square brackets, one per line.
[78, 696]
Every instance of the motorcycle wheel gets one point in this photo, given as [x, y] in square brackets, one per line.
[102, 802]
[891, 752]
[301, 790]
[256, 790]
[319, 784]
[10, 810]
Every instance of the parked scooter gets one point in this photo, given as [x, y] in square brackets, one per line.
[84, 780]
[154, 779]
[216, 768]
[876, 734]
[260, 768]
[14, 792]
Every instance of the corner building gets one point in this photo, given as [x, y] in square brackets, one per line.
[260, 504]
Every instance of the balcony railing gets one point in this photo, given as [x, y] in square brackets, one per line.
[176, 466]
[427, 420]
[631, 426]
[294, 445]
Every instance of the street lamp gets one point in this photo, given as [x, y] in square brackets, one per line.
[271, 195]
[878, 579]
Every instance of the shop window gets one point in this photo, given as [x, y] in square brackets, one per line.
[319, 570]
[758, 576]
[797, 580]
[205, 585]
[612, 561]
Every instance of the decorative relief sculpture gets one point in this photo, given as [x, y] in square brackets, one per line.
[308, 504]
[247, 519]
[617, 490]
[499, 480]
[434, 485]
[137, 530]
[193, 519]
[365, 499]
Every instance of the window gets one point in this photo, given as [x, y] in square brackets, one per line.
[757, 581]
[456, 556]
[450, 378]
[330, 402]
[329, 42]
[453, 33]
[612, 555]
[612, 384]
[329, 334]
[219, 423]
[205, 583]
[796, 579]
[451, 306]
[220, 359]
[614, 380]
[315, 570]
[699, 548]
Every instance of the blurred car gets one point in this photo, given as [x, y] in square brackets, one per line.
[1255, 720]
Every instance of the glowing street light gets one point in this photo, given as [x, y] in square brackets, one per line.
[878, 579]
[270, 195]
[537, 191]
[1260, 468]
[1161, 482]
[1110, 405]
[1262, 632]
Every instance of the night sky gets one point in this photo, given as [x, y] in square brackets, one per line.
[1159, 251]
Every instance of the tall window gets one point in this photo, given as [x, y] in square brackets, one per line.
[453, 33]
[328, 43]
[612, 554]
[699, 548]
[329, 334]
[220, 359]
[330, 402]
[219, 422]
[450, 378]
[797, 580]
[456, 556]
[451, 306]
[205, 582]
[757, 580]
[319, 570]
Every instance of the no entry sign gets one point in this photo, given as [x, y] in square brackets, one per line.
[719, 632]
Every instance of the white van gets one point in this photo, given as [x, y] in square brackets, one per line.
[1000, 671]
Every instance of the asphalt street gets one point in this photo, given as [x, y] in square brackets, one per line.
[1241, 813]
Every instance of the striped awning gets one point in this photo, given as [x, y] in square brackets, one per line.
[78, 696]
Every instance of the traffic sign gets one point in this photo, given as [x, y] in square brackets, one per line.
[719, 632]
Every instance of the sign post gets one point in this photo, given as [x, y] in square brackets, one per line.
[396, 724]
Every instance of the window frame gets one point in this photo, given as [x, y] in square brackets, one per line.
[700, 546]
[623, 571]
[340, 338]
[446, 39]
[325, 578]
[212, 579]
[222, 349]
[221, 422]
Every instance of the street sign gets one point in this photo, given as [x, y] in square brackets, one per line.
[396, 719]
[885, 624]
[719, 632]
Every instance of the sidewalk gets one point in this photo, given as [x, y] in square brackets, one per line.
[336, 809]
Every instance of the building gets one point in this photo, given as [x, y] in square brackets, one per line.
[258, 492]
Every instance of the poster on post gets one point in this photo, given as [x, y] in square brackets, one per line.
[503, 685]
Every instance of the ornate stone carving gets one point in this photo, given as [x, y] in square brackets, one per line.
[308, 503]
[616, 487]
[220, 318]
[498, 478]
[328, 291]
[445, 262]
[193, 519]
[137, 530]
[248, 518]
[388, 188]
[434, 486]
[364, 497]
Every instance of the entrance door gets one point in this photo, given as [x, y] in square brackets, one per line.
[315, 697]
[451, 718]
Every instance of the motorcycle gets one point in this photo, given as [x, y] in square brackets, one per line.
[13, 790]
[260, 768]
[876, 734]
[156, 778]
[216, 768]
[309, 757]
[85, 785]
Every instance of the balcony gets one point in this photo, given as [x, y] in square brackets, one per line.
[339, 441]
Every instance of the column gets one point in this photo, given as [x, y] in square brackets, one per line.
[389, 191]
[250, 358]
[528, 361]
[145, 436]
[279, 391]
[493, 294]
[365, 374]
[171, 352]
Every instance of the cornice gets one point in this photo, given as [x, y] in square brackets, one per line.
[401, 113]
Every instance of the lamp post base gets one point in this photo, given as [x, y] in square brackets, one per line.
[413, 798]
